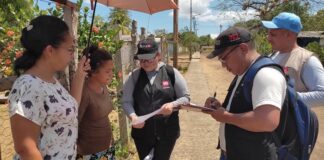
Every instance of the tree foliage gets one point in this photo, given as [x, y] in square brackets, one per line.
[14, 15]
[301, 8]
[315, 22]
[189, 39]
[120, 18]
[16, 12]
[206, 40]
[264, 7]
[101, 34]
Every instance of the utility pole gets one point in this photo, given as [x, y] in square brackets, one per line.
[195, 25]
[190, 16]
[190, 54]
[220, 28]
[175, 35]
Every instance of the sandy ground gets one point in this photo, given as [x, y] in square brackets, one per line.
[199, 132]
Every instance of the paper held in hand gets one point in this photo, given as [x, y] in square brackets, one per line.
[195, 107]
[143, 118]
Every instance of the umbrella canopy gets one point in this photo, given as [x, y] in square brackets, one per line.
[146, 6]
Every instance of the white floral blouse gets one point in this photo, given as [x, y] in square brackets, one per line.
[51, 107]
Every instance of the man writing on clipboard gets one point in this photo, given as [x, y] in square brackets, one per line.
[246, 127]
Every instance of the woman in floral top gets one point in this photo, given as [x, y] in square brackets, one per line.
[43, 114]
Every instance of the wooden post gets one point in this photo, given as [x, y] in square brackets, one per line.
[164, 50]
[142, 36]
[133, 44]
[71, 19]
[123, 124]
[175, 35]
[71, 16]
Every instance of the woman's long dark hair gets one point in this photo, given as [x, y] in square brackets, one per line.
[42, 31]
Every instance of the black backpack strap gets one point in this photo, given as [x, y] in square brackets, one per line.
[170, 73]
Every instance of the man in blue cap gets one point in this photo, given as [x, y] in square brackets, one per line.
[301, 65]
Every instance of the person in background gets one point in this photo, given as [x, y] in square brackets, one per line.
[301, 65]
[43, 114]
[95, 132]
[247, 126]
[155, 85]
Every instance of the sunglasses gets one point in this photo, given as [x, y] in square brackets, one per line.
[223, 59]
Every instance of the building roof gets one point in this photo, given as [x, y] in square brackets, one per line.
[311, 34]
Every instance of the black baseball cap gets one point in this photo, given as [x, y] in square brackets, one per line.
[146, 49]
[230, 37]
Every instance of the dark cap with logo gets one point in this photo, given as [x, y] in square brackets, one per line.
[146, 49]
[230, 37]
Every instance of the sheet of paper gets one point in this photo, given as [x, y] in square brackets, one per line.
[143, 118]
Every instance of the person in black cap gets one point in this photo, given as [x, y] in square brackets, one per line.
[155, 85]
[246, 127]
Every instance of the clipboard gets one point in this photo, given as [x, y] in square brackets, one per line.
[196, 108]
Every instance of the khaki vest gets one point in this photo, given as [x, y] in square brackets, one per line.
[294, 62]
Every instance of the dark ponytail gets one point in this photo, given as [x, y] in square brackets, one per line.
[97, 57]
[42, 31]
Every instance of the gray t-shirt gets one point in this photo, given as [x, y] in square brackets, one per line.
[180, 87]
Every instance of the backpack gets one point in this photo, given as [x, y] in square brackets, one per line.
[297, 132]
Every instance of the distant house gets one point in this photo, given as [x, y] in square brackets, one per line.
[306, 37]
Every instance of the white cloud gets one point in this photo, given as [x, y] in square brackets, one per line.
[204, 13]
[213, 36]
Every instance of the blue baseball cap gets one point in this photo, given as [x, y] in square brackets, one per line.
[284, 20]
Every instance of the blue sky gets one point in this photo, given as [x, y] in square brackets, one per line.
[209, 20]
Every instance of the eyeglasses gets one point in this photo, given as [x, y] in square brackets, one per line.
[147, 60]
[223, 59]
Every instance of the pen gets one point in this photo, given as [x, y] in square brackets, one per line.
[213, 105]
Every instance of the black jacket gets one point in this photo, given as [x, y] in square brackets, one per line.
[240, 143]
[148, 98]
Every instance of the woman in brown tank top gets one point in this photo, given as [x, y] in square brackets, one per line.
[95, 133]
